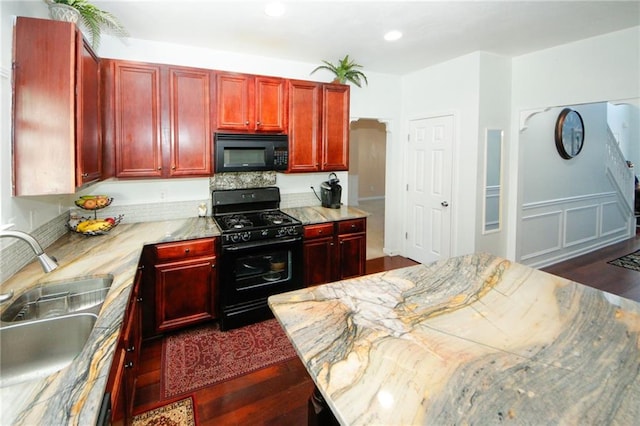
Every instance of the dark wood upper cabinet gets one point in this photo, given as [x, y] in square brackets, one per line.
[56, 109]
[190, 121]
[318, 126]
[161, 120]
[305, 125]
[335, 127]
[137, 119]
[251, 103]
[89, 128]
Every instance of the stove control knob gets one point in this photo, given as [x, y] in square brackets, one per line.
[246, 236]
[281, 232]
[264, 232]
[292, 231]
[234, 238]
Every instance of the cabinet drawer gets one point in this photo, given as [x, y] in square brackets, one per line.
[185, 249]
[350, 226]
[318, 231]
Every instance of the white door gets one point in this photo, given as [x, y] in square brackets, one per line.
[429, 189]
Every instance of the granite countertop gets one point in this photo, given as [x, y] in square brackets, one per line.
[73, 395]
[472, 340]
[317, 214]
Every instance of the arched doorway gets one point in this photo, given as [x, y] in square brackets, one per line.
[367, 170]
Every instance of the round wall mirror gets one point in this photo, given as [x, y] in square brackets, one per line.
[569, 133]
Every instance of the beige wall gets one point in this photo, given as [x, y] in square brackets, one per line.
[368, 157]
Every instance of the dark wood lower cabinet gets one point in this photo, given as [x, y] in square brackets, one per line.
[181, 285]
[124, 369]
[334, 251]
[185, 293]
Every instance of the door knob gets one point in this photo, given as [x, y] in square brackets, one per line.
[444, 204]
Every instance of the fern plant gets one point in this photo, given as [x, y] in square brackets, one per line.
[95, 20]
[345, 70]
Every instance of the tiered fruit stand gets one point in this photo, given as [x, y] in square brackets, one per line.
[94, 226]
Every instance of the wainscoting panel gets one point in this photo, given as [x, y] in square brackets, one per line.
[581, 225]
[613, 219]
[554, 230]
[542, 234]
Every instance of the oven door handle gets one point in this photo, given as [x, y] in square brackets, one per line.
[260, 244]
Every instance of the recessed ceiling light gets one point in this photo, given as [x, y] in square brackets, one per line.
[274, 9]
[393, 35]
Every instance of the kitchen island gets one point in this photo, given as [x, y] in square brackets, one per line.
[472, 340]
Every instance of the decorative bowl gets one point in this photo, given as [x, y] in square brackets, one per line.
[93, 202]
[93, 227]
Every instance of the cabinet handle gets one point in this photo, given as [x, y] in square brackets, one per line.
[353, 226]
[258, 123]
[213, 265]
[187, 250]
[139, 300]
[131, 348]
[320, 232]
[159, 168]
[84, 175]
[246, 123]
[140, 268]
[129, 364]
[173, 167]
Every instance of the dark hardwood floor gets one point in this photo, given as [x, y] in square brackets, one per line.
[593, 270]
[278, 395]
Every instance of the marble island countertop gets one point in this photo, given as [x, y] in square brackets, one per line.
[472, 340]
[73, 395]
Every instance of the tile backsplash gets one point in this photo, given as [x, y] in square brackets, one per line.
[15, 254]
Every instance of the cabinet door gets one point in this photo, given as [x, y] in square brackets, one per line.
[352, 249]
[88, 131]
[233, 93]
[132, 336]
[116, 385]
[122, 377]
[319, 261]
[185, 293]
[270, 104]
[335, 127]
[137, 120]
[189, 111]
[44, 107]
[304, 126]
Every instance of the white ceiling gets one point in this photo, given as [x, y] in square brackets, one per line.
[434, 31]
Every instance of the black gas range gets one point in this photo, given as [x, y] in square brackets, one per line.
[260, 253]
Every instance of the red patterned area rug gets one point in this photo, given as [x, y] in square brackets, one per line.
[204, 356]
[176, 413]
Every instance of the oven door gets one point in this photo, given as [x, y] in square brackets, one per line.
[251, 272]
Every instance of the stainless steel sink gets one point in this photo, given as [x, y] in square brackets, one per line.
[36, 349]
[59, 298]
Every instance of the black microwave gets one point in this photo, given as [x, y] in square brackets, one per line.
[237, 152]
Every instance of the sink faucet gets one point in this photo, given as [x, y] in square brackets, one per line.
[47, 263]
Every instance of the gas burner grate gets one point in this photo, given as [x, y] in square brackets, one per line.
[236, 222]
[275, 218]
